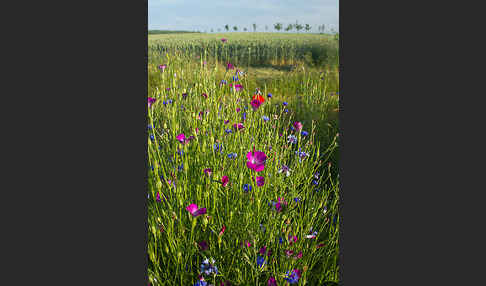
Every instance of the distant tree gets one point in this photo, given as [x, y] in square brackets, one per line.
[244, 29]
[266, 27]
[254, 27]
[289, 27]
[235, 28]
[298, 26]
[307, 27]
[226, 27]
[212, 30]
[278, 26]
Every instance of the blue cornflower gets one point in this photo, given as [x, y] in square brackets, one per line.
[152, 167]
[235, 78]
[246, 188]
[180, 152]
[228, 131]
[302, 155]
[280, 240]
[292, 128]
[285, 103]
[149, 127]
[181, 167]
[292, 139]
[232, 155]
[201, 283]
[152, 137]
[170, 101]
[243, 115]
[164, 102]
[316, 175]
[269, 95]
[304, 133]
[296, 200]
[260, 261]
[216, 147]
[293, 277]
[315, 182]
[209, 267]
[286, 110]
[265, 118]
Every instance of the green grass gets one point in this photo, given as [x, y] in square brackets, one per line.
[178, 177]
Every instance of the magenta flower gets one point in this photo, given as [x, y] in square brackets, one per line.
[298, 125]
[292, 239]
[238, 87]
[238, 109]
[247, 243]
[255, 103]
[263, 250]
[181, 138]
[225, 180]
[223, 40]
[204, 95]
[230, 66]
[272, 281]
[208, 171]
[299, 255]
[162, 67]
[238, 126]
[256, 161]
[289, 252]
[280, 203]
[158, 197]
[151, 101]
[195, 211]
[260, 181]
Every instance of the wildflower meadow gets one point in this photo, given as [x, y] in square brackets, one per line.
[243, 181]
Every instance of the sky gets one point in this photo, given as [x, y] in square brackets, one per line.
[203, 15]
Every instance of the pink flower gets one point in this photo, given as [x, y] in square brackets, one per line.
[195, 211]
[162, 67]
[222, 230]
[151, 101]
[298, 125]
[256, 161]
[223, 40]
[181, 138]
[272, 281]
[260, 181]
[292, 239]
[204, 95]
[299, 255]
[247, 243]
[238, 87]
[230, 66]
[289, 252]
[225, 180]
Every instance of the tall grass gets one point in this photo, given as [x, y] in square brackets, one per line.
[251, 221]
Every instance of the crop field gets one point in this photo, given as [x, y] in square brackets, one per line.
[243, 182]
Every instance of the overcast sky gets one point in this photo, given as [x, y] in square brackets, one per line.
[203, 15]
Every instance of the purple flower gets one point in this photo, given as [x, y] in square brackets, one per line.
[225, 180]
[285, 169]
[260, 181]
[272, 281]
[223, 82]
[256, 160]
[228, 131]
[195, 211]
[292, 139]
[229, 66]
[209, 267]
[162, 67]
[204, 95]
[246, 188]
[151, 101]
[223, 40]
[203, 245]
[304, 133]
[255, 104]
[238, 126]
[261, 261]
[232, 155]
[238, 87]
[208, 171]
[265, 118]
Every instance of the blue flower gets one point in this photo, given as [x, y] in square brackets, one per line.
[260, 261]
[152, 137]
[209, 267]
[315, 182]
[164, 102]
[152, 167]
[243, 115]
[265, 118]
[269, 95]
[296, 200]
[286, 110]
[246, 188]
[280, 240]
[170, 101]
[149, 127]
[181, 167]
[228, 131]
[285, 103]
[292, 139]
[201, 283]
[304, 133]
[235, 78]
[232, 155]
[293, 277]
